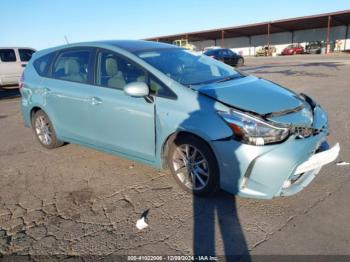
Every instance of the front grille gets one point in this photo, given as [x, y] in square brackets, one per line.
[305, 132]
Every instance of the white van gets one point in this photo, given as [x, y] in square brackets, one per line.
[12, 62]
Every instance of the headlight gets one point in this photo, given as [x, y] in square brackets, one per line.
[252, 130]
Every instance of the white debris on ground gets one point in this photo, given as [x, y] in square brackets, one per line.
[141, 224]
[342, 163]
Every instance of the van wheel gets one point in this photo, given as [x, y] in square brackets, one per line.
[194, 165]
[44, 131]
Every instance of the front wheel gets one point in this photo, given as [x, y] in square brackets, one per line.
[194, 165]
[44, 130]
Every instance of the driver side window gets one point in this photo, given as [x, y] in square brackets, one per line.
[115, 72]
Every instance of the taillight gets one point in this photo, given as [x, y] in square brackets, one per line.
[21, 81]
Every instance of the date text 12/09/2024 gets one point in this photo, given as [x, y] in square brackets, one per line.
[172, 258]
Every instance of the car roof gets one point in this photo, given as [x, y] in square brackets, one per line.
[135, 46]
[217, 49]
[132, 46]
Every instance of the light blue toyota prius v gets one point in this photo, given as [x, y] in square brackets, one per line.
[211, 125]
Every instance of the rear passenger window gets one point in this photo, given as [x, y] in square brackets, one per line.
[25, 54]
[7, 55]
[72, 65]
[41, 64]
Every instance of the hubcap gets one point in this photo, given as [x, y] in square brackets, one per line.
[191, 167]
[43, 130]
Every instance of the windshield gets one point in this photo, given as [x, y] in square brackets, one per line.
[188, 67]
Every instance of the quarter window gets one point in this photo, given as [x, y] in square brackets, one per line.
[115, 72]
[72, 65]
[159, 89]
[41, 64]
[7, 55]
[25, 54]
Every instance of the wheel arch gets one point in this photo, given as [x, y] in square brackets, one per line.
[171, 138]
[32, 113]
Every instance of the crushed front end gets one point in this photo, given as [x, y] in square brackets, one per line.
[278, 169]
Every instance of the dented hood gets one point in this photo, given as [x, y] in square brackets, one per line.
[261, 97]
[253, 94]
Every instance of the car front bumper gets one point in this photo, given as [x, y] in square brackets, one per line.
[269, 171]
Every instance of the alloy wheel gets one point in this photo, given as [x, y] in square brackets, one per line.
[191, 167]
[43, 130]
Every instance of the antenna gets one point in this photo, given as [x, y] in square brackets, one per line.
[66, 38]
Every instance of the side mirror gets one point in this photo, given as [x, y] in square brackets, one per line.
[136, 89]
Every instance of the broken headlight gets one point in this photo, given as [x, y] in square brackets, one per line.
[253, 131]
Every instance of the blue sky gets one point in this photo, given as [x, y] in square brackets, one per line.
[43, 23]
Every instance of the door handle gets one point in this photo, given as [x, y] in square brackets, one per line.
[23, 65]
[95, 101]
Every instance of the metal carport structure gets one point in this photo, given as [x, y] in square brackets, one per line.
[327, 20]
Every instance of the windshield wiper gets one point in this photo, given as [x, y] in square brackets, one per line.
[226, 78]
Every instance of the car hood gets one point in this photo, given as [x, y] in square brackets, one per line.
[261, 97]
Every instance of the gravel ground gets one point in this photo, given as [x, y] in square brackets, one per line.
[75, 201]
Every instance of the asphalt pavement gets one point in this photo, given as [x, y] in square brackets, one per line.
[75, 201]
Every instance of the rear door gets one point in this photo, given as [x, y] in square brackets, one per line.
[68, 92]
[220, 55]
[233, 57]
[300, 49]
[227, 57]
[10, 68]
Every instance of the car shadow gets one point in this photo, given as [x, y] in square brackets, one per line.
[216, 217]
[218, 213]
[9, 92]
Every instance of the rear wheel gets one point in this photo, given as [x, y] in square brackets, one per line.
[44, 130]
[193, 165]
[240, 62]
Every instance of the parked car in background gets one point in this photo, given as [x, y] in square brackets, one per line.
[12, 62]
[314, 47]
[211, 47]
[185, 44]
[225, 55]
[159, 104]
[266, 51]
[293, 49]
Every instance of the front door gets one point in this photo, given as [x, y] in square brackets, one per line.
[121, 123]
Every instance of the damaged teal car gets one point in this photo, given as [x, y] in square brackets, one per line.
[168, 107]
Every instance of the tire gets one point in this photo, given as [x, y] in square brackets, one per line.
[44, 131]
[240, 62]
[205, 174]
